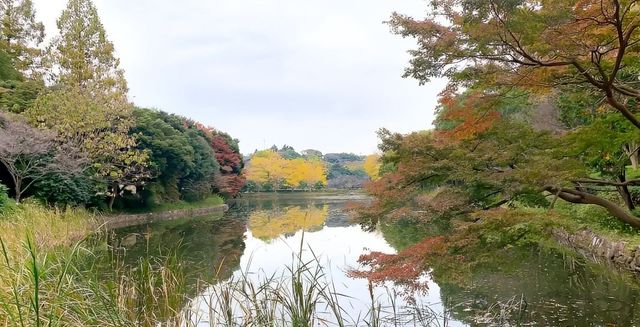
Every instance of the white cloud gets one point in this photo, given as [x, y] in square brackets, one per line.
[312, 74]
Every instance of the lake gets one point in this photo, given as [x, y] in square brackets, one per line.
[262, 235]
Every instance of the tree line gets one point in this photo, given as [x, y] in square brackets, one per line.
[286, 169]
[70, 136]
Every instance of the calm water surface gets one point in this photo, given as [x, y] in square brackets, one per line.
[260, 234]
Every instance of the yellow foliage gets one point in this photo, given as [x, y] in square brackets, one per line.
[268, 166]
[372, 166]
[308, 171]
[269, 224]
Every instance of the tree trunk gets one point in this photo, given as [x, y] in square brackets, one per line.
[18, 188]
[631, 150]
[580, 197]
[624, 192]
[114, 194]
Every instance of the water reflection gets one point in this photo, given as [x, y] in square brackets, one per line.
[269, 224]
[211, 246]
[557, 290]
[514, 287]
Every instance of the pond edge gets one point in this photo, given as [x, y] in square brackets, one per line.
[600, 249]
[126, 220]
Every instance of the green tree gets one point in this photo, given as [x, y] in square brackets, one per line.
[21, 34]
[89, 124]
[199, 183]
[171, 154]
[83, 54]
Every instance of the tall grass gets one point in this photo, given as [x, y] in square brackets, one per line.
[56, 273]
[301, 295]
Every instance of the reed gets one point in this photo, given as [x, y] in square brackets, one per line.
[48, 282]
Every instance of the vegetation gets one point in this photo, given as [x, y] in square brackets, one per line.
[286, 169]
[60, 286]
[268, 170]
[536, 131]
[78, 140]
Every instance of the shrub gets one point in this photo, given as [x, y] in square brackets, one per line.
[6, 203]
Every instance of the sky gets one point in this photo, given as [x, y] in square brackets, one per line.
[313, 74]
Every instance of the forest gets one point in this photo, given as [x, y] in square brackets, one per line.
[71, 137]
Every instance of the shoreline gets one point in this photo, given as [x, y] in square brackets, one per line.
[127, 220]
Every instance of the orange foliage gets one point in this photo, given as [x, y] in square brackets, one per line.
[404, 268]
[472, 114]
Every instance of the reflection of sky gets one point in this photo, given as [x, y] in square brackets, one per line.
[337, 248]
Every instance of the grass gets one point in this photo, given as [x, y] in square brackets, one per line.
[47, 228]
[301, 295]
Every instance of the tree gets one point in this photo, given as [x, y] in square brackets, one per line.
[266, 166]
[372, 166]
[300, 172]
[199, 183]
[83, 55]
[231, 180]
[538, 45]
[435, 177]
[30, 154]
[92, 126]
[20, 35]
[311, 153]
[288, 152]
[88, 106]
[171, 154]
[270, 168]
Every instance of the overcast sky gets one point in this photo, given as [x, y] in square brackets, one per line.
[321, 74]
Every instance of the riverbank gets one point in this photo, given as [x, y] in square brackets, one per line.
[126, 220]
[598, 248]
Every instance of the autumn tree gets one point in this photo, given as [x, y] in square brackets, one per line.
[270, 169]
[372, 166]
[266, 166]
[538, 45]
[434, 177]
[303, 173]
[231, 180]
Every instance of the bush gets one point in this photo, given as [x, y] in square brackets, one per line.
[6, 203]
[64, 190]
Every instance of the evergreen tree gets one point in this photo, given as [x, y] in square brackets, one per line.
[21, 35]
[83, 55]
